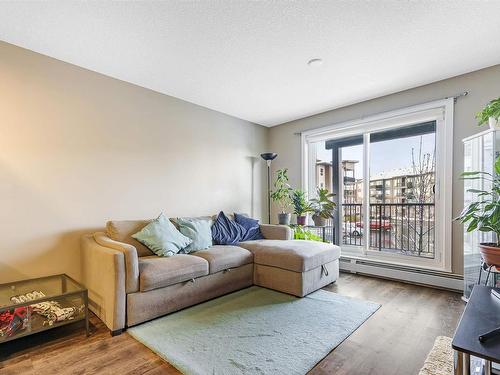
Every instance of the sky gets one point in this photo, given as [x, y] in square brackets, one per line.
[385, 155]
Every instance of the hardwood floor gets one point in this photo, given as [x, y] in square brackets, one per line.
[395, 340]
[398, 337]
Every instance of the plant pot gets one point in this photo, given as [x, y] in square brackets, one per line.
[319, 221]
[494, 123]
[284, 219]
[301, 220]
[490, 253]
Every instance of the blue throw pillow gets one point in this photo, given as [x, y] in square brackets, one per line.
[226, 231]
[251, 226]
[162, 237]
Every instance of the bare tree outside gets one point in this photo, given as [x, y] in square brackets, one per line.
[423, 168]
[421, 215]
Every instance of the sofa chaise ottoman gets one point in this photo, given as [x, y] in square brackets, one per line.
[129, 285]
[295, 267]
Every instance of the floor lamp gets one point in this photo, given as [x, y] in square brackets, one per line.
[269, 157]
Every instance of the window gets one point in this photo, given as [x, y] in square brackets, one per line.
[399, 214]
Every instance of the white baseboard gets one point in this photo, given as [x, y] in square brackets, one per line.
[402, 273]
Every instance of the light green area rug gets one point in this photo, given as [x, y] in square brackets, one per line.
[254, 331]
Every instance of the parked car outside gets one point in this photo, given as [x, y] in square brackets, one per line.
[376, 224]
[352, 230]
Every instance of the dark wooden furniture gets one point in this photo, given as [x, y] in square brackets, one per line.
[482, 314]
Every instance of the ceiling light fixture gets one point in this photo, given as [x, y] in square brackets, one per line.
[315, 62]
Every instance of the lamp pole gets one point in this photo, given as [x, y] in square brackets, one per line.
[269, 157]
[268, 162]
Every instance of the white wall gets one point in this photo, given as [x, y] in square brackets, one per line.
[78, 148]
[482, 85]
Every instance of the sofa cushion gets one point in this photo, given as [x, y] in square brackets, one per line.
[162, 237]
[293, 255]
[251, 226]
[221, 257]
[122, 231]
[158, 272]
[226, 231]
[198, 230]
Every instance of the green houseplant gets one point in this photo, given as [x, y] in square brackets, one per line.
[323, 206]
[281, 195]
[301, 206]
[490, 114]
[483, 213]
[300, 233]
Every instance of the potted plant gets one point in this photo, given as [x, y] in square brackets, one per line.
[483, 213]
[300, 233]
[281, 195]
[490, 114]
[323, 206]
[301, 206]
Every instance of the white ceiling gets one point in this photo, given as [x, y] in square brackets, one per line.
[249, 58]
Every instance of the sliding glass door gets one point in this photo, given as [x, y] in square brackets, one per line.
[402, 176]
[385, 181]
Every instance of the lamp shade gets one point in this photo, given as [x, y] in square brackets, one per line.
[269, 155]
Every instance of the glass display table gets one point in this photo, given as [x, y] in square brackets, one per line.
[35, 305]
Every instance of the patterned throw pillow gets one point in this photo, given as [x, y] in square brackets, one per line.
[251, 226]
[198, 230]
[226, 231]
[162, 237]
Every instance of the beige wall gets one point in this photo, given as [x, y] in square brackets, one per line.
[482, 86]
[78, 148]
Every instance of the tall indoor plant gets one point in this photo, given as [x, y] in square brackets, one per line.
[483, 213]
[281, 195]
[490, 114]
[301, 206]
[323, 206]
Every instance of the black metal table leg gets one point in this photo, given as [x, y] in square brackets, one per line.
[488, 275]
[87, 328]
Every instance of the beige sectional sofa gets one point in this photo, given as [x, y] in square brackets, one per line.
[129, 285]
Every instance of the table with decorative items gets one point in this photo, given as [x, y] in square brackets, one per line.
[35, 305]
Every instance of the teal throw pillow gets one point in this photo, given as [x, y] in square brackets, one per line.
[198, 230]
[162, 237]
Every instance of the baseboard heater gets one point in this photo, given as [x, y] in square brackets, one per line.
[402, 273]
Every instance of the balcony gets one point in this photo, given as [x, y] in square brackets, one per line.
[349, 180]
[401, 228]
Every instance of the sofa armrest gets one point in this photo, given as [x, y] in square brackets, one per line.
[130, 256]
[104, 277]
[276, 232]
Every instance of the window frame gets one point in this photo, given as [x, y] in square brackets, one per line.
[442, 112]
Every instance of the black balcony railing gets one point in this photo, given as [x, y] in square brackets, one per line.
[405, 228]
